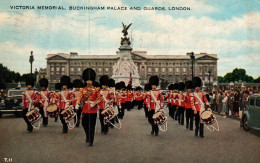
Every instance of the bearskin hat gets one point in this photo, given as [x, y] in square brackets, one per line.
[29, 81]
[170, 87]
[188, 84]
[104, 80]
[181, 86]
[96, 84]
[154, 80]
[65, 80]
[196, 82]
[43, 82]
[118, 86]
[57, 86]
[111, 83]
[89, 74]
[77, 83]
[175, 86]
[129, 87]
[138, 88]
[122, 84]
[147, 87]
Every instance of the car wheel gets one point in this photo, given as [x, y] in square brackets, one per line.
[245, 123]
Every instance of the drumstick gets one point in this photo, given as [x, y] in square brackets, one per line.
[74, 125]
[77, 122]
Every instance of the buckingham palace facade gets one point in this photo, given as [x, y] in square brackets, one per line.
[169, 68]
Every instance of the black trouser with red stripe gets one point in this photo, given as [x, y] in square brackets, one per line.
[140, 104]
[104, 127]
[170, 109]
[189, 118]
[89, 124]
[121, 111]
[45, 119]
[29, 125]
[174, 116]
[151, 121]
[65, 126]
[181, 115]
[199, 126]
[128, 105]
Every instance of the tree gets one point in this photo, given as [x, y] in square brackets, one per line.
[257, 80]
[220, 79]
[237, 75]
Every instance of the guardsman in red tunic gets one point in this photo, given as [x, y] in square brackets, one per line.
[55, 97]
[169, 96]
[129, 98]
[188, 99]
[107, 101]
[139, 98]
[77, 84]
[65, 98]
[123, 99]
[28, 101]
[181, 103]
[91, 98]
[118, 98]
[147, 88]
[198, 105]
[175, 100]
[43, 98]
[154, 102]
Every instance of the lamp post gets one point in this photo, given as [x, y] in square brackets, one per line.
[31, 61]
[209, 77]
[192, 57]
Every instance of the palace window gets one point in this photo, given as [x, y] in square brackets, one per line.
[184, 69]
[170, 69]
[177, 69]
[163, 69]
[149, 69]
[156, 69]
[99, 69]
[63, 69]
[52, 69]
[79, 69]
[72, 69]
[106, 69]
[57, 68]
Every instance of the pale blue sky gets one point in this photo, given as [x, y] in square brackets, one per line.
[227, 28]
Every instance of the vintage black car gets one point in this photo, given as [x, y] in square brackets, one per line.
[12, 104]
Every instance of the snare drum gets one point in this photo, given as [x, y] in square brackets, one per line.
[33, 116]
[207, 117]
[52, 110]
[68, 114]
[108, 114]
[159, 118]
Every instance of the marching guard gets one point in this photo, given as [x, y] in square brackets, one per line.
[77, 84]
[129, 98]
[118, 98]
[55, 97]
[147, 88]
[43, 98]
[123, 99]
[169, 96]
[139, 98]
[188, 99]
[65, 98]
[28, 101]
[175, 101]
[91, 97]
[181, 103]
[155, 102]
[107, 97]
[198, 105]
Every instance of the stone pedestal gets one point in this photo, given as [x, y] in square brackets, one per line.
[125, 65]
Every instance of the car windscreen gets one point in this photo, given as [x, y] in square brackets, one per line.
[15, 93]
[257, 102]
